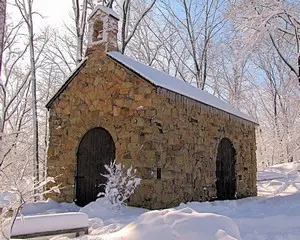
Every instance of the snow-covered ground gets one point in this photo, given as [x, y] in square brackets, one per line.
[273, 215]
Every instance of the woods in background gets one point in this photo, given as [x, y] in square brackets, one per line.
[246, 53]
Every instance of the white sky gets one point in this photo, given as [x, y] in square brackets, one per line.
[55, 11]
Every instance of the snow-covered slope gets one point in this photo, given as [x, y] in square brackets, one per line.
[273, 215]
[279, 180]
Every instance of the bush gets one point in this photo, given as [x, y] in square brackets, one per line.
[121, 183]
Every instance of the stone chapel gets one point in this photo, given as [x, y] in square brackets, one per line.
[186, 144]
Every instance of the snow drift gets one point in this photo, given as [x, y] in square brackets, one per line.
[180, 224]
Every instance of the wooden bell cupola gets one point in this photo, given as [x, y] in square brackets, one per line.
[103, 29]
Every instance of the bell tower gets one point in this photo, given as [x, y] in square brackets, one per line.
[103, 30]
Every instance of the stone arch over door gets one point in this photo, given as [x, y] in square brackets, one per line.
[225, 170]
[96, 149]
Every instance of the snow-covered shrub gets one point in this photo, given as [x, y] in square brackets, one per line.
[23, 191]
[120, 185]
[17, 189]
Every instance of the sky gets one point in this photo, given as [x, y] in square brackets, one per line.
[55, 12]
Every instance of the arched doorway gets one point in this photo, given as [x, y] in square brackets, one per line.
[225, 170]
[96, 149]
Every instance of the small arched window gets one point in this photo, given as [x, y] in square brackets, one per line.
[98, 31]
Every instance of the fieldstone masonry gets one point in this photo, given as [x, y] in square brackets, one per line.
[155, 130]
[152, 128]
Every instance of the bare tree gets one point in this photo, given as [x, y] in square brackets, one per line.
[269, 32]
[280, 100]
[197, 27]
[2, 29]
[61, 52]
[80, 17]
[23, 189]
[277, 21]
[129, 26]
[156, 43]
[25, 8]
[14, 89]
[230, 72]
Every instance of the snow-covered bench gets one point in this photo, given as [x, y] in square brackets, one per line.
[50, 224]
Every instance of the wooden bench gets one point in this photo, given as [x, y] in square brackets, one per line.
[50, 224]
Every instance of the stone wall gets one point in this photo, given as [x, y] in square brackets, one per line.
[152, 129]
[184, 146]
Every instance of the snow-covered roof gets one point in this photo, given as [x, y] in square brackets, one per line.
[176, 85]
[107, 10]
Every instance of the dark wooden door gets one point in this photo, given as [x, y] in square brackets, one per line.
[225, 170]
[96, 149]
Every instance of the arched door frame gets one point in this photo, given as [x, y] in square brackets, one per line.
[93, 162]
[111, 132]
[229, 178]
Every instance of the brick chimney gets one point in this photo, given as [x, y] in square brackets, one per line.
[103, 30]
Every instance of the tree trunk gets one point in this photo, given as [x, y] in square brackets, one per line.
[2, 30]
[33, 93]
[79, 49]
[299, 68]
[80, 23]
